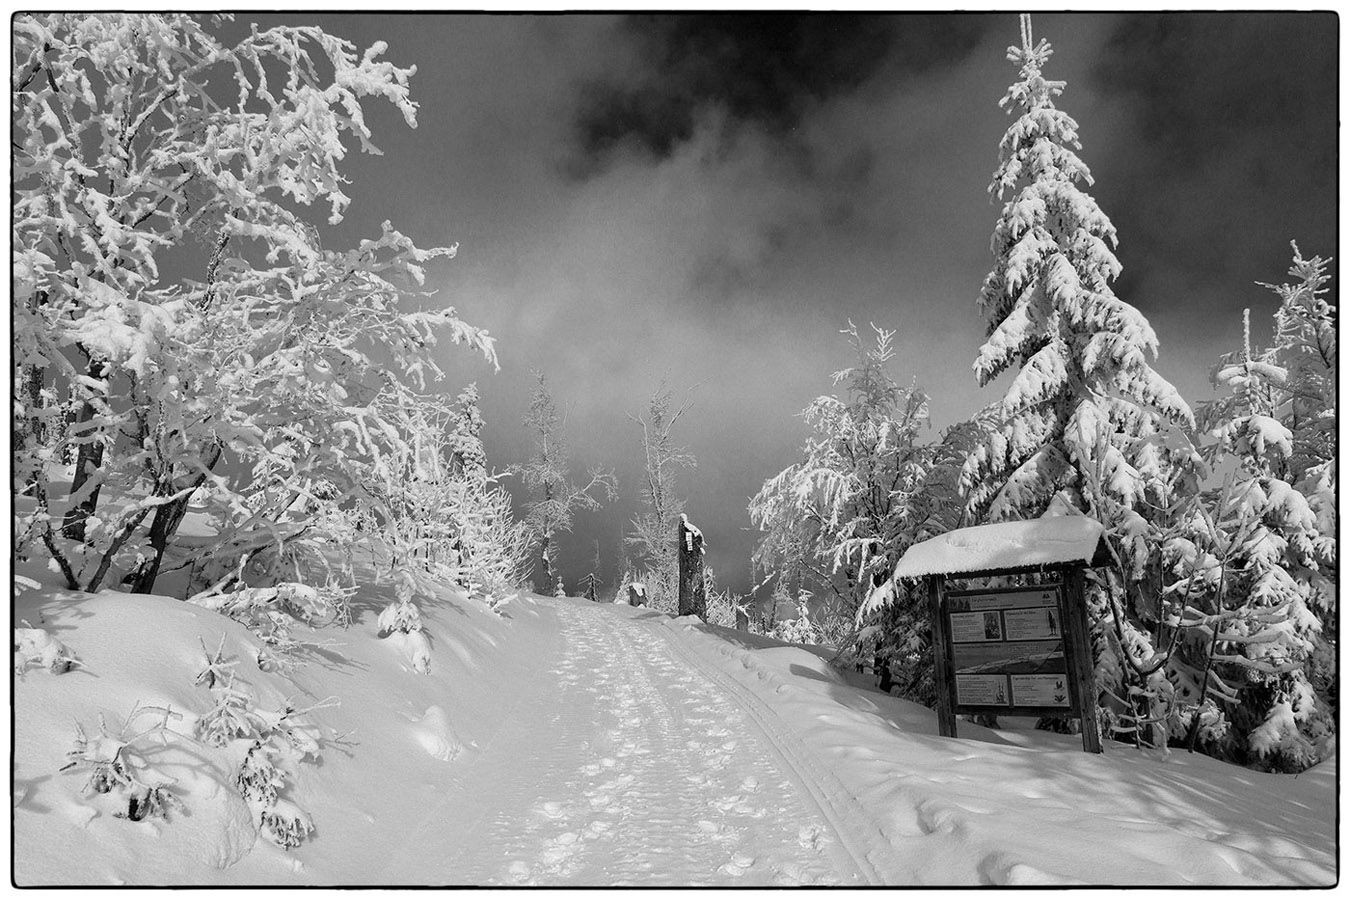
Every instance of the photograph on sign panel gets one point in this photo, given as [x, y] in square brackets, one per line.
[1022, 657]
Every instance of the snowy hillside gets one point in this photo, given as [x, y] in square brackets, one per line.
[565, 742]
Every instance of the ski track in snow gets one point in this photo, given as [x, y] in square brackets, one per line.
[639, 769]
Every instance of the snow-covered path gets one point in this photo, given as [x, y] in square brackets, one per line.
[635, 768]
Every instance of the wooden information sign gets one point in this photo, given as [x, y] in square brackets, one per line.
[1015, 652]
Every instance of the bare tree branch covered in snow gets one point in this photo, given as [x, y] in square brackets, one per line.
[555, 499]
[653, 532]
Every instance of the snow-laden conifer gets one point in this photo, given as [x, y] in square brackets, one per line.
[1083, 395]
[1255, 561]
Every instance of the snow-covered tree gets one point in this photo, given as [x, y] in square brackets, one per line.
[1254, 562]
[272, 381]
[1084, 396]
[653, 532]
[840, 518]
[554, 498]
[798, 628]
[467, 456]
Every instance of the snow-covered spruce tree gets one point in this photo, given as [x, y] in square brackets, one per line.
[653, 533]
[554, 499]
[839, 519]
[1084, 394]
[258, 386]
[467, 456]
[1254, 562]
[1086, 417]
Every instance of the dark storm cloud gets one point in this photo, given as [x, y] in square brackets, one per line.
[1232, 123]
[769, 70]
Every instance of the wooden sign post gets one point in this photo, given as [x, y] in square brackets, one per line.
[1019, 651]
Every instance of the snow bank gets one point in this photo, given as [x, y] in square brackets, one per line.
[409, 763]
[388, 755]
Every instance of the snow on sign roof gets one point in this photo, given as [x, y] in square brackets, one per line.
[1049, 541]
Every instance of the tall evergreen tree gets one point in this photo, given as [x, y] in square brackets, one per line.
[1085, 402]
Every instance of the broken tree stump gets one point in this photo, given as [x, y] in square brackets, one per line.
[693, 599]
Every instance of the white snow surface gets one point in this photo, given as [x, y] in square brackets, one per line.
[571, 743]
[1034, 542]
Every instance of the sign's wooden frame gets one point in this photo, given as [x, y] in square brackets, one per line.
[1069, 589]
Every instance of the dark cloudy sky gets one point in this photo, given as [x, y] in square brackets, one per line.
[709, 199]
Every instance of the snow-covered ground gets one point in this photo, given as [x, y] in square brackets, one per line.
[566, 742]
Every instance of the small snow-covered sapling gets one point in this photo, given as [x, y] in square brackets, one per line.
[400, 615]
[116, 768]
[35, 646]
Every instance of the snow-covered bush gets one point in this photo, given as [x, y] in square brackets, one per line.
[119, 768]
[798, 628]
[723, 604]
[268, 744]
[37, 647]
[400, 616]
[273, 614]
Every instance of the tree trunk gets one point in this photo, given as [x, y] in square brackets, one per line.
[693, 595]
[545, 567]
[162, 529]
[33, 377]
[89, 461]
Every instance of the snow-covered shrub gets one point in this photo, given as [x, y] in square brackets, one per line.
[118, 768]
[400, 615]
[37, 647]
[402, 620]
[798, 628]
[272, 741]
[272, 614]
[722, 602]
[558, 589]
[261, 781]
